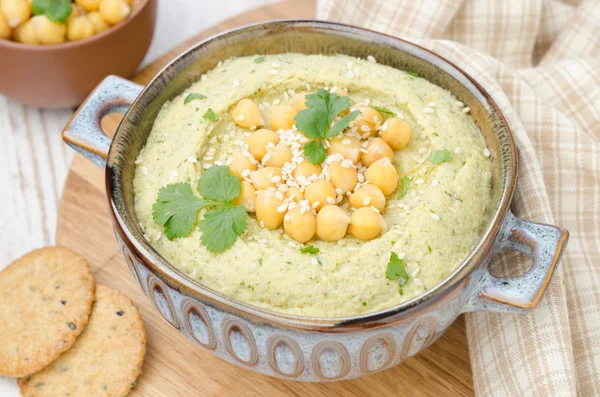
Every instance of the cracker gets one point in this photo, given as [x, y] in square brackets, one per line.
[45, 301]
[106, 359]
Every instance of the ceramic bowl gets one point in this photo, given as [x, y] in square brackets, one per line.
[306, 348]
[62, 75]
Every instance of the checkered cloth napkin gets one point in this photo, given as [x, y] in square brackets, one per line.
[540, 60]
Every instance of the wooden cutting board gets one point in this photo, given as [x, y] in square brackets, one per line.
[174, 366]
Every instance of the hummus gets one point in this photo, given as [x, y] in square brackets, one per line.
[433, 227]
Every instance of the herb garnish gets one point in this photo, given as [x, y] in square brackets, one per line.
[55, 10]
[383, 110]
[260, 59]
[176, 208]
[192, 97]
[396, 269]
[440, 156]
[210, 115]
[413, 74]
[404, 184]
[315, 121]
[311, 249]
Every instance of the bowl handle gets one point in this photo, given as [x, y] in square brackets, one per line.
[83, 132]
[544, 244]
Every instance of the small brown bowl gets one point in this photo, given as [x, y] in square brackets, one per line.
[62, 75]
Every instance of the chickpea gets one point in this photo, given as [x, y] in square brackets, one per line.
[366, 224]
[76, 11]
[88, 5]
[257, 142]
[397, 133]
[240, 164]
[247, 198]
[246, 114]
[15, 12]
[300, 101]
[300, 226]
[263, 178]
[341, 177]
[306, 169]
[366, 196]
[279, 156]
[96, 19]
[320, 192]
[383, 174]
[5, 30]
[367, 120]
[113, 11]
[48, 32]
[332, 223]
[296, 193]
[282, 117]
[80, 28]
[349, 147]
[266, 206]
[26, 34]
[377, 149]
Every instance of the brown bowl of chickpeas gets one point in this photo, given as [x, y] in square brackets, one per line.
[55, 52]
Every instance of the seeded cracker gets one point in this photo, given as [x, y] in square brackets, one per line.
[106, 359]
[45, 301]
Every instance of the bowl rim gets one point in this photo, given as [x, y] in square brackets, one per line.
[77, 43]
[170, 274]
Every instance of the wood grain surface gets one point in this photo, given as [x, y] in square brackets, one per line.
[174, 366]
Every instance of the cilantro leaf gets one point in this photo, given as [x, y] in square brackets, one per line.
[312, 122]
[383, 110]
[440, 156]
[55, 10]
[260, 59]
[404, 185]
[342, 124]
[192, 97]
[220, 228]
[396, 269]
[210, 115]
[311, 249]
[218, 184]
[315, 152]
[176, 208]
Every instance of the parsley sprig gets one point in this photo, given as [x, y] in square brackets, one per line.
[396, 269]
[55, 10]
[176, 208]
[316, 121]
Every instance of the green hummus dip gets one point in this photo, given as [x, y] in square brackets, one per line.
[433, 226]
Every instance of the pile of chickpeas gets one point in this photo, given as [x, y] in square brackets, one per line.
[346, 193]
[88, 17]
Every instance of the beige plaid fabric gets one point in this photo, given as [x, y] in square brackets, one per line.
[540, 60]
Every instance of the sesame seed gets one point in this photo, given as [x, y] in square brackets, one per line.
[192, 159]
[486, 152]
[419, 181]
[204, 77]
[286, 249]
[384, 127]
[364, 150]
[431, 104]
[435, 182]
[350, 74]
[138, 161]
[281, 209]
[276, 179]
[415, 272]
[418, 282]
[361, 178]
[261, 223]
[458, 150]
[174, 173]
[466, 110]
[413, 194]
[315, 204]
[275, 65]
[459, 103]
[236, 82]
[434, 216]
[206, 166]
[273, 72]
[428, 110]
[279, 195]
[144, 169]
[422, 150]
[330, 200]
[374, 209]
[371, 59]
[346, 142]
[366, 201]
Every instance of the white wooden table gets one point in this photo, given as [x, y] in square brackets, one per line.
[34, 161]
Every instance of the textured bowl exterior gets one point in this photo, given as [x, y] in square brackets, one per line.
[62, 75]
[309, 348]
